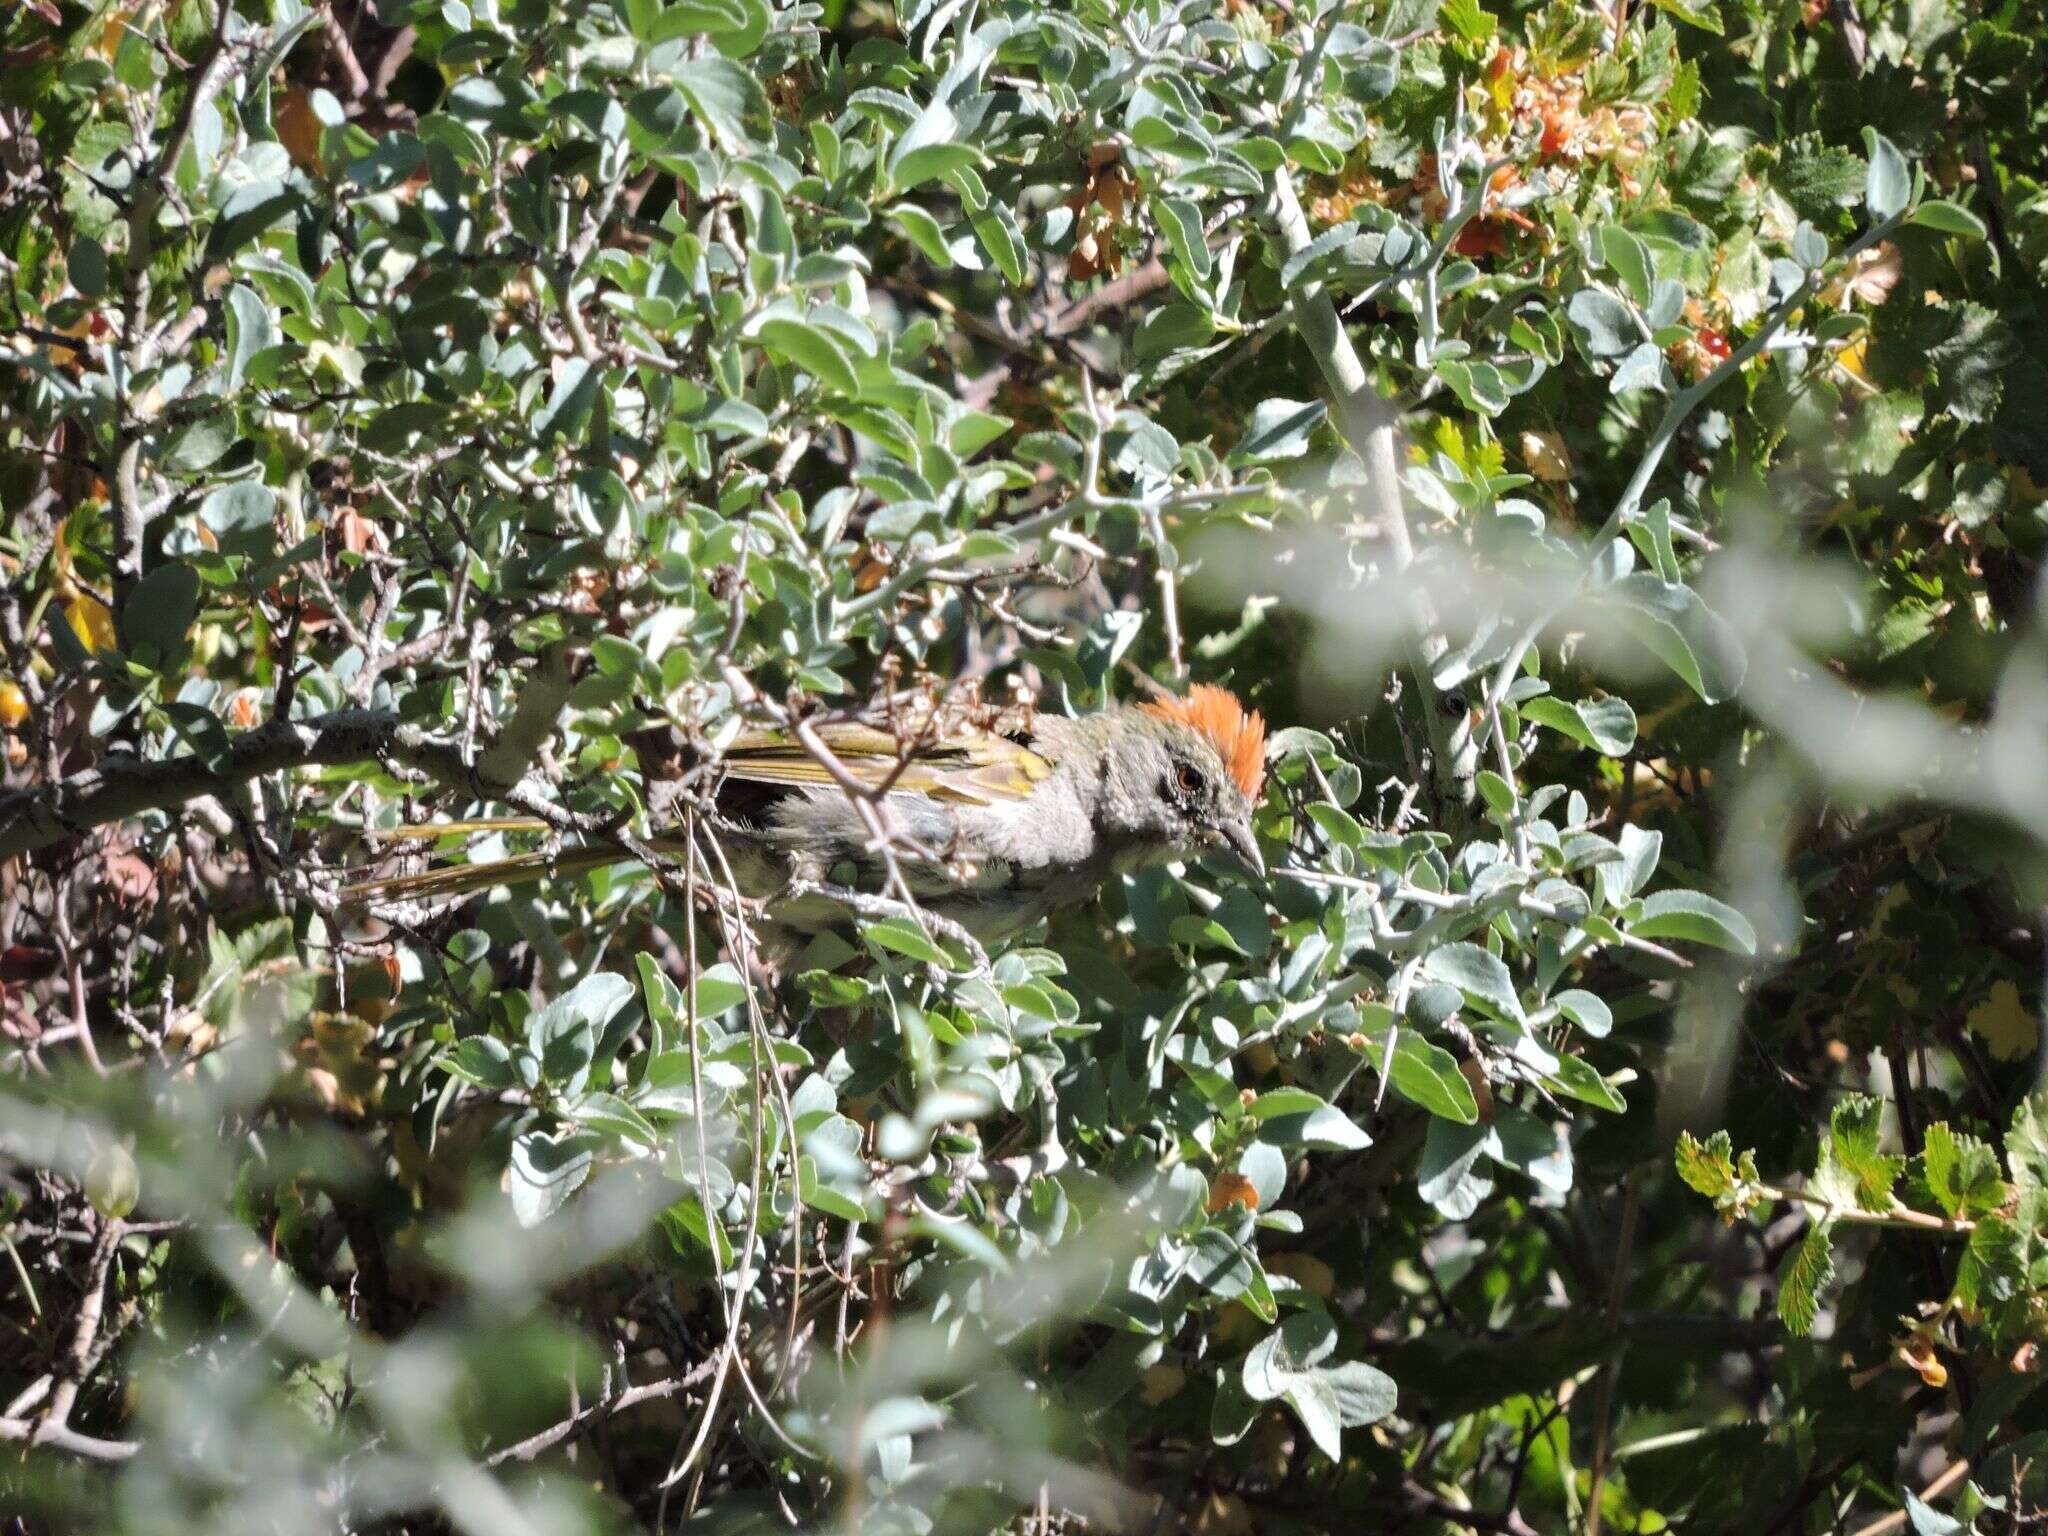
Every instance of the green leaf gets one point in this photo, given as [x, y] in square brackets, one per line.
[931, 162]
[1586, 1010]
[716, 990]
[1695, 916]
[903, 937]
[996, 228]
[2026, 1144]
[1449, 1176]
[1707, 1166]
[1289, 1352]
[1365, 1394]
[1278, 429]
[565, 1033]
[820, 1196]
[1468, 19]
[1629, 259]
[1180, 221]
[249, 211]
[1606, 327]
[811, 349]
[1807, 1271]
[1325, 1128]
[1427, 1076]
[570, 402]
[1949, 218]
[1498, 794]
[1682, 632]
[1606, 725]
[1960, 1172]
[1477, 974]
[1234, 1409]
[613, 1116]
[1577, 1077]
[1314, 1402]
[1887, 184]
[1694, 13]
[1226, 1270]
[1817, 177]
[924, 233]
[544, 1172]
[1854, 1128]
[725, 98]
[1643, 368]
[249, 331]
[160, 610]
[1172, 328]
[484, 1061]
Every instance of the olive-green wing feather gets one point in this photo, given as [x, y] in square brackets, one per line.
[973, 767]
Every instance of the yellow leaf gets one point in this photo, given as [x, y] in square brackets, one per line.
[91, 622]
[1305, 1270]
[2008, 1030]
[1162, 1382]
[1546, 455]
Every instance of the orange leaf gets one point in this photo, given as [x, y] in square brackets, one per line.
[1228, 1189]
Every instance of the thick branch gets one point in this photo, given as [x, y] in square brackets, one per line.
[123, 786]
[66, 1439]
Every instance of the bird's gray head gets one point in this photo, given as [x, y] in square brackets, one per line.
[1186, 774]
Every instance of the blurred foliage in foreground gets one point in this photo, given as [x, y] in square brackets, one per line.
[1614, 438]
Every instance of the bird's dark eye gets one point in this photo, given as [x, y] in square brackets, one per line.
[1187, 779]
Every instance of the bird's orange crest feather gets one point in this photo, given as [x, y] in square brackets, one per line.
[1238, 737]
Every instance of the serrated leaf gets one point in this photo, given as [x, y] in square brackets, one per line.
[1853, 1131]
[1807, 1271]
[1706, 1166]
[1960, 1172]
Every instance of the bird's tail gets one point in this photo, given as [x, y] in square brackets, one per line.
[462, 879]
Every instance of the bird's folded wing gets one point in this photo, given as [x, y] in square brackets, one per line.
[975, 768]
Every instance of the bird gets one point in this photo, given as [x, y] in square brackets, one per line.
[990, 829]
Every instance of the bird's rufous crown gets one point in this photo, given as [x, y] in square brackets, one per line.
[1238, 737]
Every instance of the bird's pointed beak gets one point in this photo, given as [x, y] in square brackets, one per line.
[1245, 844]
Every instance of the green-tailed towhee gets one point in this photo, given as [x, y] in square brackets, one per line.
[989, 830]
